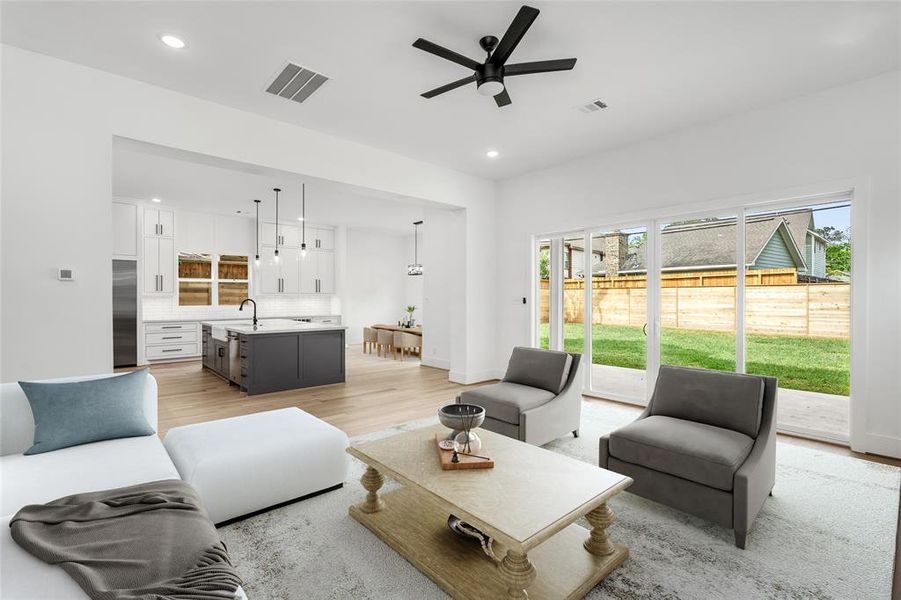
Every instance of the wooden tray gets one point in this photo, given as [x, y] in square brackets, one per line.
[466, 462]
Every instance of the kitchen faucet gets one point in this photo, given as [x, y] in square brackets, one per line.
[245, 301]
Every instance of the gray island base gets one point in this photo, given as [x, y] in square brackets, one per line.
[277, 356]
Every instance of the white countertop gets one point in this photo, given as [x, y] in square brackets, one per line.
[241, 318]
[270, 326]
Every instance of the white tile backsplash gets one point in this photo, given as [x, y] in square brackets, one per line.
[165, 307]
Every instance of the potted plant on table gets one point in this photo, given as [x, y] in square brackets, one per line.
[410, 310]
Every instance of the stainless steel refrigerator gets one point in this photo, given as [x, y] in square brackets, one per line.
[125, 313]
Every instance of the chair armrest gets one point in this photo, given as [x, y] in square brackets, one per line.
[604, 441]
[755, 478]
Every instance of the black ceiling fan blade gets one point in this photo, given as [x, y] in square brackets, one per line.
[503, 99]
[447, 54]
[518, 28]
[448, 87]
[540, 66]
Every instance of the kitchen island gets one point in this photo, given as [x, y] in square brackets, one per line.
[275, 355]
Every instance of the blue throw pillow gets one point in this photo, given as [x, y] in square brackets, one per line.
[81, 412]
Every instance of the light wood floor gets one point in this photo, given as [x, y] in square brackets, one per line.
[379, 393]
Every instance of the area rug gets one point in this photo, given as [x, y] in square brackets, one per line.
[827, 532]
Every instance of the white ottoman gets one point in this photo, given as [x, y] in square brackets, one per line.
[245, 464]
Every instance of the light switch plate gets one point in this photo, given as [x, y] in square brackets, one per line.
[66, 275]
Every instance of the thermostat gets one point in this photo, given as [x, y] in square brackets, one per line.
[66, 275]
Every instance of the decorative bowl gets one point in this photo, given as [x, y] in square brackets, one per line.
[461, 416]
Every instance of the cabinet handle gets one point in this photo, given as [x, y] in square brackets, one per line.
[175, 350]
[171, 327]
[161, 283]
[173, 337]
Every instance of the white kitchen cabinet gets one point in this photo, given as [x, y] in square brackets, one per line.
[317, 272]
[288, 235]
[282, 276]
[325, 262]
[159, 223]
[171, 341]
[309, 273]
[159, 265]
[322, 239]
[125, 229]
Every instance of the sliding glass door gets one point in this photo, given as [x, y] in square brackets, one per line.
[697, 292]
[618, 309]
[762, 291]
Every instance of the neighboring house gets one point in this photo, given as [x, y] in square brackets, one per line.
[785, 239]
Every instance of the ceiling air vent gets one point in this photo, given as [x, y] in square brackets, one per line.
[296, 83]
[593, 106]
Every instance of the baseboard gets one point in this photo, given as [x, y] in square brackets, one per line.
[477, 377]
[434, 361]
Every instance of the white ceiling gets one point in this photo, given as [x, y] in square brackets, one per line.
[205, 184]
[660, 66]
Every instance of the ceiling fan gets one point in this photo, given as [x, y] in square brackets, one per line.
[489, 75]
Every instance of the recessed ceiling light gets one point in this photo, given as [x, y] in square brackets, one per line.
[157, 200]
[492, 153]
[172, 41]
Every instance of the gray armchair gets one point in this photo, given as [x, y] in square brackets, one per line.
[539, 399]
[706, 445]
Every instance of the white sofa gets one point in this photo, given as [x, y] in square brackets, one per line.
[43, 477]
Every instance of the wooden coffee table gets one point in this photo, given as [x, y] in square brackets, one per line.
[529, 503]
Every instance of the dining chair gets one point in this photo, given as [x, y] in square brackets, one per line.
[407, 341]
[385, 342]
[370, 338]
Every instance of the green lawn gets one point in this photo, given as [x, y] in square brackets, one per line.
[800, 363]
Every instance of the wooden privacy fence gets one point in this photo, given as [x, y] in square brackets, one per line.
[816, 310]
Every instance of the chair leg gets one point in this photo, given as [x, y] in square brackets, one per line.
[401, 355]
[741, 537]
[575, 433]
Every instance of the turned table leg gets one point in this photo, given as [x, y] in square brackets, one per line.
[372, 480]
[517, 574]
[598, 543]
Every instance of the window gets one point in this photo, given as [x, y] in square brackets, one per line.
[233, 279]
[195, 279]
[211, 280]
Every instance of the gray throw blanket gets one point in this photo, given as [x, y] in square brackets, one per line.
[146, 541]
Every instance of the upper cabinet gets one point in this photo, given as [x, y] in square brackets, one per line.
[125, 230]
[322, 239]
[159, 265]
[159, 223]
[287, 236]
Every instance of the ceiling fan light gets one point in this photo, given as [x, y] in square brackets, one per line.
[490, 87]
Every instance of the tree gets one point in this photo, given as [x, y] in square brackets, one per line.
[833, 235]
[838, 258]
[544, 264]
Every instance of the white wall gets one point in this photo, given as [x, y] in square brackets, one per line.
[442, 251]
[375, 285]
[850, 132]
[56, 191]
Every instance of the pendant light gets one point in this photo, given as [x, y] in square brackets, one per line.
[415, 268]
[303, 220]
[256, 259]
[276, 190]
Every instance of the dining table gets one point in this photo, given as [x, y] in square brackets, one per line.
[414, 330]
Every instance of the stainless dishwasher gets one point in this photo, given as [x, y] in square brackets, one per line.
[234, 358]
